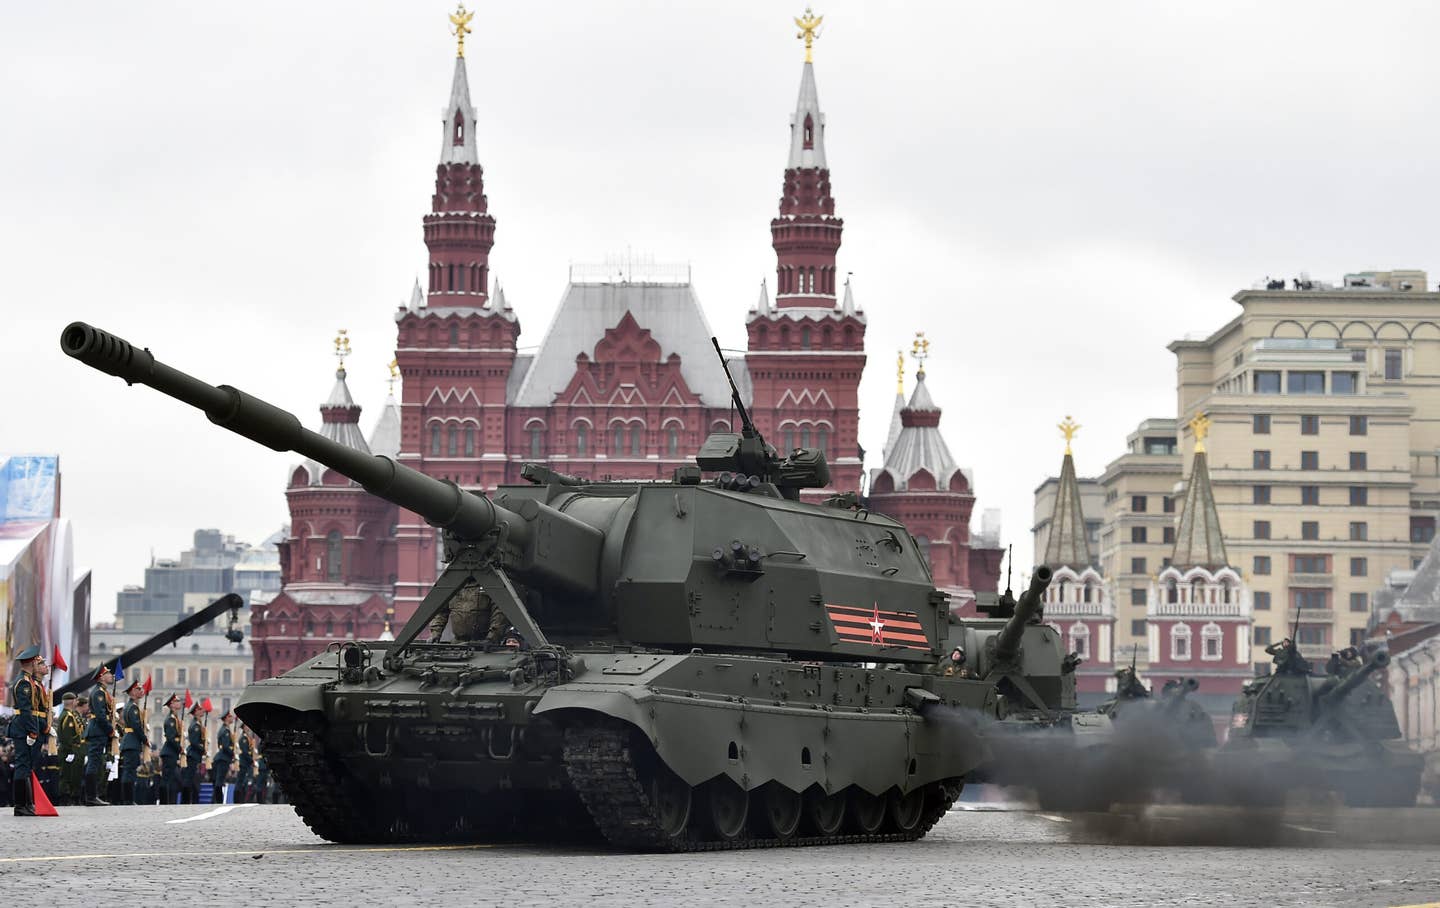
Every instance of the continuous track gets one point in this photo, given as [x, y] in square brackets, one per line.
[603, 767]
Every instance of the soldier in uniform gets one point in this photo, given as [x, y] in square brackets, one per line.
[136, 740]
[27, 729]
[245, 769]
[194, 755]
[170, 751]
[99, 732]
[262, 777]
[224, 756]
[472, 615]
[1287, 658]
[955, 666]
[72, 749]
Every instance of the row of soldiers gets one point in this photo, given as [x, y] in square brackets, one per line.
[90, 731]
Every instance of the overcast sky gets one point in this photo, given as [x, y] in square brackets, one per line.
[1051, 191]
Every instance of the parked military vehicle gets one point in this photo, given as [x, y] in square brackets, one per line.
[696, 665]
[1298, 732]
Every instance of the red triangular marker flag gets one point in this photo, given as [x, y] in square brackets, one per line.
[59, 661]
[189, 700]
[43, 807]
[148, 685]
[205, 705]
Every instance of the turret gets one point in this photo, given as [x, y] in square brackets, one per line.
[1337, 694]
[1007, 642]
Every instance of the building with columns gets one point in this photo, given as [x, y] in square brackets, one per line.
[623, 384]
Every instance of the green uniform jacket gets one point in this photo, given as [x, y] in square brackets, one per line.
[171, 747]
[136, 737]
[31, 717]
[72, 733]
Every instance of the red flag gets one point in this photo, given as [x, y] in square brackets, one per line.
[59, 661]
[189, 700]
[148, 686]
[43, 807]
[205, 705]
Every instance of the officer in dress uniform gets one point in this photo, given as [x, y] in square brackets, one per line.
[170, 751]
[194, 754]
[99, 732]
[72, 749]
[224, 756]
[245, 769]
[136, 740]
[27, 729]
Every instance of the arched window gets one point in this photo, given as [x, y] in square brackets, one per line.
[824, 441]
[808, 137]
[454, 335]
[435, 441]
[637, 438]
[805, 338]
[309, 629]
[789, 436]
[349, 628]
[1080, 640]
[1089, 591]
[1180, 643]
[812, 280]
[582, 439]
[450, 277]
[1172, 591]
[329, 627]
[334, 546]
[452, 442]
[672, 441]
[618, 433]
[469, 441]
[537, 441]
[805, 436]
[459, 133]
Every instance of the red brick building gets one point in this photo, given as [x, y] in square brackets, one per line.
[623, 384]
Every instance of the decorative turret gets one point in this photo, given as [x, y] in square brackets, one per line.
[385, 437]
[1078, 602]
[893, 434]
[459, 231]
[1198, 608]
[339, 417]
[806, 235]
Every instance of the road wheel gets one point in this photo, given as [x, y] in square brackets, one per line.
[867, 811]
[824, 813]
[670, 798]
[905, 811]
[729, 808]
[780, 808]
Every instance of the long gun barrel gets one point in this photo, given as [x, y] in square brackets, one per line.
[441, 503]
[1007, 642]
[1178, 693]
[182, 628]
[1333, 697]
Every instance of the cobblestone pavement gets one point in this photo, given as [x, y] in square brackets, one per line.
[264, 855]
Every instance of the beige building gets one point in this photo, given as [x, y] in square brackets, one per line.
[1324, 455]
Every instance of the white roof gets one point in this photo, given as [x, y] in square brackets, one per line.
[672, 314]
[385, 437]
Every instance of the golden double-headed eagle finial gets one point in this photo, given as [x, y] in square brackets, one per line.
[900, 372]
[1068, 428]
[920, 351]
[394, 375]
[809, 25]
[342, 346]
[461, 20]
[1200, 425]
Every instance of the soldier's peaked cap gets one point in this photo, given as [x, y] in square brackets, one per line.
[174, 698]
[28, 653]
[197, 708]
[69, 696]
[134, 684]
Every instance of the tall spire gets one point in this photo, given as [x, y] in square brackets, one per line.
[459, 230]
[1198, 540]
[806, 235]
[895, 423]
[1067, 545]
[339, 414]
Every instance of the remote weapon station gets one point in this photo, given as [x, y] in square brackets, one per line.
[700, 663]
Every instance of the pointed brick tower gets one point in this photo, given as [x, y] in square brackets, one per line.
[1198, 609]
[337, 564]
[1078, 602]
[455, 344]
[923, 487]
[811, 321]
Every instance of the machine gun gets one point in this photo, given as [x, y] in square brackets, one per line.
[182, 628]
[622, 562]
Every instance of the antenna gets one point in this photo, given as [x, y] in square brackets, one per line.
[1134, 651]
[747, 428]
[1009, 566]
